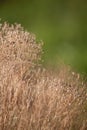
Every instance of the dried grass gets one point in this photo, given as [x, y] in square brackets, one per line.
[31, 97]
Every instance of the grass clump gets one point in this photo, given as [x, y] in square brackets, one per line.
[34, 98]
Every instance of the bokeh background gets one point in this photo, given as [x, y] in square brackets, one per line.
[61, 24]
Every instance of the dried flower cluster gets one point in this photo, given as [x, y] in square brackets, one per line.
[31, 97]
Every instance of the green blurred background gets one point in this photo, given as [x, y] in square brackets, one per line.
[61, 24]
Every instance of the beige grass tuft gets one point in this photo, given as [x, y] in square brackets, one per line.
[31, 97]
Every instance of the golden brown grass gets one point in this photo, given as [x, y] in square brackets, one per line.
[31, 97]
